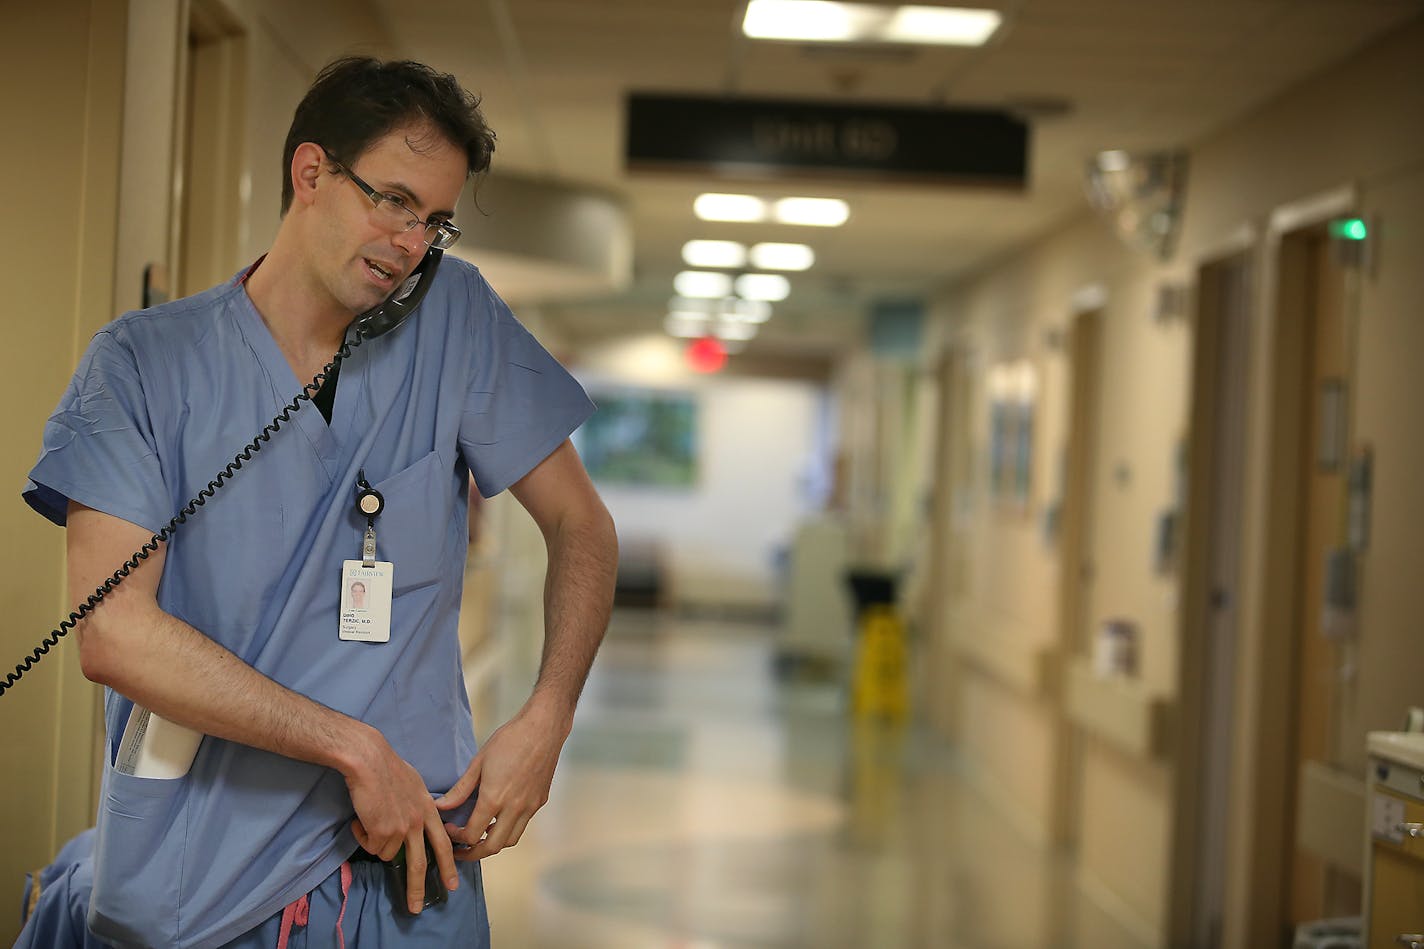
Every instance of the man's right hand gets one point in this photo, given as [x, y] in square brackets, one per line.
[394, 808]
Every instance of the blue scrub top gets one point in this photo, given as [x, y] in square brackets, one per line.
[162, 400]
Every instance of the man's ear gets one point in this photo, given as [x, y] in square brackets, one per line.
[307, 163]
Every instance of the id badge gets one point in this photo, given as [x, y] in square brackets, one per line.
[366, 601]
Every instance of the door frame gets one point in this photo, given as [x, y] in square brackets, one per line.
[1214, 500]
[209, 225]
[1263, 778]
[1075, 545]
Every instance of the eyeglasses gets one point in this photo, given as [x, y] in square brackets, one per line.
[392, 213]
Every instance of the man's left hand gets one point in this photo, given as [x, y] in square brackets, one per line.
[512, 773]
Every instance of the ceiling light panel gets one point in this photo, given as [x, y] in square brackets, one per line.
[729, 207]
[702, 283]
[812, 212]
[686, 325]
[740, 332]
[763, 286]
[820, 21]
[746, 311]
[692, 305]
[941, 26]
[810, 20]
[729, 254]
[782, 257]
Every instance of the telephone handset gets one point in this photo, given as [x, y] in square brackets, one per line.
[374, 322]
[402, 303]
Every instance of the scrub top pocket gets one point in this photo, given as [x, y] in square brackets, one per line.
[413, 530]
[138, 860]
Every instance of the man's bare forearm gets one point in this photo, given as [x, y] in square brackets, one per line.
[183, 676]
[131, 645]
[578, 588]
[578, 599]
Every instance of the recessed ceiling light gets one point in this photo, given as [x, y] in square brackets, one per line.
[821, 21]
[782, 257]
[702, 283]
[735, 331]
[813, 20]
[813, 212]
[763, 286]
[729, 207]
[691, 305]
[941, 26]
[714, 254]
[686, 325]
[746, 311]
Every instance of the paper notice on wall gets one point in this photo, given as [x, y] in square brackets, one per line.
[1387, 819]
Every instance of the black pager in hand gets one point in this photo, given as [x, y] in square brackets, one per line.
[435, 892]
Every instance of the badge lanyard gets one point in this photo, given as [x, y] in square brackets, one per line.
[366, 583]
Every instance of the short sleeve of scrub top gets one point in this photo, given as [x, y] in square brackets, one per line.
[99, 448]
[521, 403]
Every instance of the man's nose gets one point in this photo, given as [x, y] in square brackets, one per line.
[411, 241]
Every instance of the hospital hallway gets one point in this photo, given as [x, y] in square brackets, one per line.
[704, 801]
[1061, 361]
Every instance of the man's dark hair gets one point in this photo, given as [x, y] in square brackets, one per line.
[356, 100]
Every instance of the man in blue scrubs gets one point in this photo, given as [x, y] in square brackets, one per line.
[328, 747]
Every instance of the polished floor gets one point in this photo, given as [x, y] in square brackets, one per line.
[706, 801]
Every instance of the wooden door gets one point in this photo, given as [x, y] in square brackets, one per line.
[1317, 890]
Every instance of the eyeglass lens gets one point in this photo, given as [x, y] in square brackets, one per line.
[398, 217]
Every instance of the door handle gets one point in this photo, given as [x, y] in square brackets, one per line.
[1411, 940]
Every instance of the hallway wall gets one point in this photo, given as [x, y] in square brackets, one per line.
[289, 43]
[760, 447]
[61, 242]
[1355, 125]
[1019, 312]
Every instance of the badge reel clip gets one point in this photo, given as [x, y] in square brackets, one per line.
[369, 504]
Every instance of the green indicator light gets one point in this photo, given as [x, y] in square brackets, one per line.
[1350, 229]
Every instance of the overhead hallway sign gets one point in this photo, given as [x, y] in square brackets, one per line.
[759, 138]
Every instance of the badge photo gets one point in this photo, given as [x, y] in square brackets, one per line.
[366, 601]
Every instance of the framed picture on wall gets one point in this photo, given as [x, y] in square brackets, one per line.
[641, 438]
[1013, 389]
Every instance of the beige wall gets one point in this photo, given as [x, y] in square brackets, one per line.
[1388, 417]
[288, 44]
[1023, 311]
[61, 154]
[1018, 312]
[1354, 125]
[150, 107]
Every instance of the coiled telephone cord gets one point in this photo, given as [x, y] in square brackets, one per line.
[189, 510]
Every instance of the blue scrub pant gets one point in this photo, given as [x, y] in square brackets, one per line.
[370, 920]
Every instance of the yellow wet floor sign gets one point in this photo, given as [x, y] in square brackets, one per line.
[881, 684]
